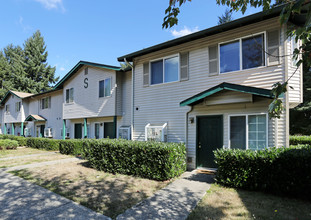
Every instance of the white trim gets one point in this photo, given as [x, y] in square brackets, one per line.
[246, 126]
[241, 51]
[163, 60]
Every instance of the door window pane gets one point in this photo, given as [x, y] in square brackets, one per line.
[171, 69]
[257, 132]
[157, 72]
[238, 132]
[230, 57]
[253, 52]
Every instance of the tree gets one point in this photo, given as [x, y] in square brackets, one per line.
[226, 17]
[290, 8]
[26, 69]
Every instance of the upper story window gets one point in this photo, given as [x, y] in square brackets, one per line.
[164, 70]
[18, 106]
[244, 53]
[7, 108]
[105, 88]
[69, 95]
[46, 102]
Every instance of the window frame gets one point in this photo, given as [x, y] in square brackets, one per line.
[240, 39]
[163, 66]
[247, 130]
[48, 101]
[19, 106]
[105, 96]
[69, 102]
[7, 108]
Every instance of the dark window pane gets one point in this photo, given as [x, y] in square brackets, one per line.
[171, 69]
[157, 72]
[230, 57]
[67, 95]
[102, 88]
[253, 52]
[238, 132]
[107, 87]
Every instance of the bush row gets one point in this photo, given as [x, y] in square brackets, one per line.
[6, 144]
[153, 160]
[72, 147]
[43, 143]
[22, 141]
[277, 170]
[295, 140]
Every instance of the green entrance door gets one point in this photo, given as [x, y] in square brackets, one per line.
[109, 130]
[78, 131]
[209, 138]
[42, 127]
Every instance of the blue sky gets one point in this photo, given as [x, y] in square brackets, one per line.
[99, 30]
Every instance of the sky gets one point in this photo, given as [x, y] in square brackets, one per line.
[100, 30]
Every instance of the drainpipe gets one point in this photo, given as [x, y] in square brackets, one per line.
[186, 126]
[132, 109]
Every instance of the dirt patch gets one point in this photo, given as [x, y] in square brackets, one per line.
[228, 203]
[20, 151]
[103, 192]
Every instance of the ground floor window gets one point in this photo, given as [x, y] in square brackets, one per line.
[248, 131]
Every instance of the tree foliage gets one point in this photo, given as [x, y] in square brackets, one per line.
[226, 17]
[290, 9]
[26, 69]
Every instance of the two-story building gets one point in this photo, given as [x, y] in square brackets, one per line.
[210, 89]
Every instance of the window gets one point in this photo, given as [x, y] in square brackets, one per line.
[244, 53]
[165, 70]
[46, 103]
[18, 106]
[69, 95]
[7, 108]
[295, 45]
[248, 132]
[105, 88]
[97, 130]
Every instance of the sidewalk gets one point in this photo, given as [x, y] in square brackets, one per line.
[20, 199]
[175, 201]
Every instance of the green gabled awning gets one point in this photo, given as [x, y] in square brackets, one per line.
[35, 118]
[230, 87]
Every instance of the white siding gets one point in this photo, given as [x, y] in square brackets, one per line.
[87, 103]
[126, 100]
[13, 116]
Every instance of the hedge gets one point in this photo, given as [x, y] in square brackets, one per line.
[43, 143]
[6, 144]
[153, 160]
[277, 170]
[73, 147]
[295, 140]
[22, 141]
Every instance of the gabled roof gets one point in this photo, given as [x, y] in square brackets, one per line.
[230, 87]
[20, 95]
[257, 17]
[35, 118]
[80, 64]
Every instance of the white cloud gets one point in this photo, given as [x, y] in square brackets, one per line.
[25, 27]
[184, 31]
[62, 69]
[52, 4]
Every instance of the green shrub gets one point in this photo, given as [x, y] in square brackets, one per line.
[277, 170]
[6, 144]
[22, 141]
[73, 147]
[295, 140]
[153, 160]
[43, 143]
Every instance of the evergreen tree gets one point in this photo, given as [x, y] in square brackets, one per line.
[226, 17]
[26, 69]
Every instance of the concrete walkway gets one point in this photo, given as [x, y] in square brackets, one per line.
[26, 156]
[175, 201]
[20, 199]
[40, 164]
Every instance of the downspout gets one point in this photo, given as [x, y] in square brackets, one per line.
[132, 109]
[186, 126]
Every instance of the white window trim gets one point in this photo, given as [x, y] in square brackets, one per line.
[19, 106]
[69, 103]
[163, 59]
[7, 111]
[240, 47]
[246, 121]
[104, 88]
[48, 102]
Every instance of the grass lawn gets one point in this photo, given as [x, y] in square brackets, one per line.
[103, 192]
[20, 151]
[228, 203]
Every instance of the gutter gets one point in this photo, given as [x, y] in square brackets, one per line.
[132, 109]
